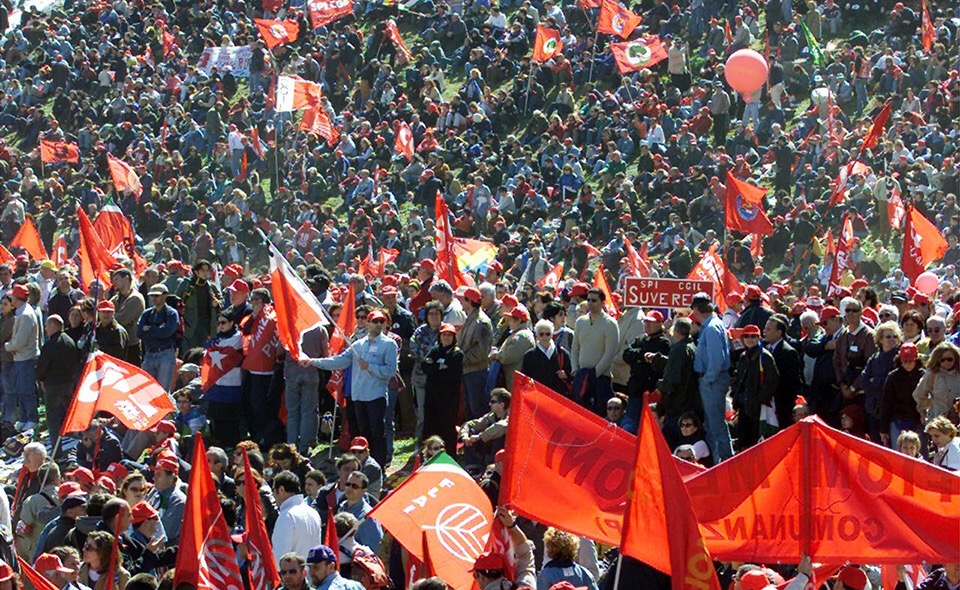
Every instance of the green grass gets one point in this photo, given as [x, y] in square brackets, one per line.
[401, 467]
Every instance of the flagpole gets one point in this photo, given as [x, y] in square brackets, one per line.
[616, 577]
[526, 102]
[333, 425]
[53, 457]
[276, 145]
[593, 57]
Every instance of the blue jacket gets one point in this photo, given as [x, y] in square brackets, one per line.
[712, 361]
[565, 571]
[157, 328]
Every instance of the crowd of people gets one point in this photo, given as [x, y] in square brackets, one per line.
[565, 161]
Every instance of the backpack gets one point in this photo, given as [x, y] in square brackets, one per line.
[369, 570]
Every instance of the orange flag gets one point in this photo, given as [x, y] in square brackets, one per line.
[712, 268]
[95, 260]
[876, 129]
[118, 236]
[616, 20]
[552, 278]
[448, 268]
[922, 244]
[206, 559]
[330, 538]
[6, 257]
[547, 44]
[124, 178]
[841, 259]
[659, 515]
[404, 142]
[60, 253]
[120, 389]
[297, 309]
[928, 34]
[639, 267]
[29, 239]
[600, 282]
[632, 56]
[34, 577]
[393, 33]
[59, 151]
[277, 32]
[262, 564]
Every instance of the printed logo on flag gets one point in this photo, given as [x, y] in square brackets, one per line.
[638, 53]
[279, 31]
[618, 23]
[550, 47]
[458, 528]
[746, 209]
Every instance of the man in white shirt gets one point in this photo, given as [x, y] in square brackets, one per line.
[298, 527]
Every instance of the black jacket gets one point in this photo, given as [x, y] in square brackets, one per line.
[107, 452]
[753, 387]
[58, 360]
[538, 367]
[788, 384]
[678, 385]
[897, 402]
[644, 375]
[754, 314]
[440, 381]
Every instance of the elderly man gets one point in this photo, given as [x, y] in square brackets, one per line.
[56, 372]
[29, 480]
[129, 306]
[453, 312]
[24, 344]
[167, 497]
[156, 329]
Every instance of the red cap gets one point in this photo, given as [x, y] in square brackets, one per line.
[871, 314]
[753, 293]
[67, 488]
[390, 281]
[166, 426]
[20, 292]
[798, 308]
[858, 284]
[116, 472]
[653, 316]
[853, 578]
[828, 312]
[500, 456]
[359, 443]
[520, 313]
[751, 330]
[908, 352]
[142, 511]
[239, 286]
[843, 292]
[6, 572]
[428, 264]
[734, 298]
[489, 562]
[754, 579]
[448, 329]
[108, 484]
[508, 303]
[388, 291]
[83, 476]
[920, 299]
[48, 562]
[376, 315]
[495, 265]
[106, 305]
[579, 290]
[472, 294]
[167, 463]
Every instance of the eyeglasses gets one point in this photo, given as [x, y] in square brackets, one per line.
[361, 316]
[544, 334]
[378, 322]
[356, 486]
[947, 359]
[289, 572]
[496, 401]
[687, 425]
[890, 337]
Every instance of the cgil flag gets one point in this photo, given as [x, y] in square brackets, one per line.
[547, 44]
[262, 565]
[28, 238]
[552, 278]
[117, 235]
[659, 515]
[277, 32]
[59, 151]
[842, 260]
[744, 208]
[616, 20]
[293, 93]
[895, 209]
[324, 12]
[316, 120]
[298, 311]
[124, 178]
[404, 141]
[120, 389]
[393, 33]
[632, 56]
[711, 267]
[922, 244]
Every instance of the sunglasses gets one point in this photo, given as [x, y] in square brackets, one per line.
[948, 359]
[361, 317]
[544, 334]
[889, 336]
[355, 486]
[290, 572]
[687, 425]
[750, 337]
[378, 322]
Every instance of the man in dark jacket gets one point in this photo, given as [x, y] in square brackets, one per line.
[754, 314]
[788, 366]
[678, 386]
[754, 383]
[643, 373]
[56, 370]
[98, 454]
[824, 388]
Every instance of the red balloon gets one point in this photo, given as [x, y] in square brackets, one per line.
[746, 71]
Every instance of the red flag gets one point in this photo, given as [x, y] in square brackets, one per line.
[639, 267]
[124, 178]
[445, 503]
[831, 244]
[324, 12]
[120, 389]
[293, 93]
[330, 537]
[262, 564]
[592, 251]
[547, 44]
[404, 142]
[393, 33]
[895, 209]
[927, 33]
[95, 260]
[169, 41]
[6, 256]
[218, 360]
[659, 515]
[616, 20]
[876, 129]
[588, 4]
[277, 32]
[60, 253]
[552, 278]
[840, 188]
[117, 235]
[206, 559]
[316, 120]
[756, 246]
[842, 260]
[632, 56]
[712, 268]
[600, 282]
[922, 244]
[59, 151]
[346, 323]
[914, 575]
[501, 543]
[297, 309]
[446, 262]
[561, 455]
[114, 552]
[34, 577]
[744, 208]
[29, 239]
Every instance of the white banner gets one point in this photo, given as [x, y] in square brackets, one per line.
[233, 59]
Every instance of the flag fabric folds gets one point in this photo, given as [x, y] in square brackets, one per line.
[712, 268]
[744, 208]
[876, 129]
[841, 260]
[404, 141]
[324, 12]
[59, 151]
[816, 54]
[293, 93]
[393, 33]
[547, 44]
[614, 19]
[96, 261]
[124, 178]
[315, 119]
[277, 32]
[297, 309]
[28, 238]
[922, 244]
[262, 564]
[447, 266]
[632, 56]
[120, 389]
[927, 33]
[117, 235]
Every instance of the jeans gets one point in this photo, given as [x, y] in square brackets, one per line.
[420, 392]
[371, 424]
[9, 402]
[713, 394]
[25, 389]
[476, 398]
[258, 404]
[303, 418]
[160, 365]
[392, 396]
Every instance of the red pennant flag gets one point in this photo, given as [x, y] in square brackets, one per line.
[324, 12]
[927, 33]
[712, 268]
[639, 267]
[315, 120]
[293, 93]
[60, 253]
[876, 129]
[744, 208]
[547, 44]
[330, 537]
[840, 189]
[895, 209]
[124, 178]
[277, 32]
[218, 360]
[633, 56]
[206, 559]
[117, 235]
[262, 564]
[447, 267]
[7, 257]
[592, 251]
[297, 309]
[842, 260]
[552, 278]
[120, 389]
[659, 515]
[922, 244]
[404, 142]
[169, 41]
[34, 577]
[445, 503]
[96, 261]
[831, 244]
[393, 33]
[28, 238]
[616, 20]
[756, 246]
[889, 577]
[59, 151]
[600, 282]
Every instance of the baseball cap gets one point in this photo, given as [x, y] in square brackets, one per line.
[520, 313]
[753, 293]
[142, 511]
[48, 562]
[158, 289]
[359, 443]
[653, 316]
[908, 351]
[167, 464]
[239, 286]
[828, 312]
[375, 316]
[83, 476]
[20, 292]
[67, 488]
[48, 264]
[428, 264]
[853, 577]
[166, 426]
[750, 330]
[116, 472]
[487, 562]
[321, 554]
[106, 305]
[754, 579]
[472, 294]
[579, 290]
[508, 303]
[448, 329]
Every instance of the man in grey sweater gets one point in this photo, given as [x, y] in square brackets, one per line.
[25, 346]
[596, 338]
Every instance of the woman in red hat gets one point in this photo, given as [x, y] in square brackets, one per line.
[443, 367]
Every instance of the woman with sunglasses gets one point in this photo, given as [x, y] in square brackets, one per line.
[224, 398]
[96, 563]
[443, 367]
[941, 383]
[887, 338]
[755, 381]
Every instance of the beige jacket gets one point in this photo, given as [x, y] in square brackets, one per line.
[475, 339]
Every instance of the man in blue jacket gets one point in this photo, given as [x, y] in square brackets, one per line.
[157, 329]
[712, 365]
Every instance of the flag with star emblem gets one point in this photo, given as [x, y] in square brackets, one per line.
[633, 56]
[223, 355]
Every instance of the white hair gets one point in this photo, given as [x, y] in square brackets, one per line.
[545, 324]
[35, 447]
[486, 288]
[891, 309]
[847, 301]
[809, 315]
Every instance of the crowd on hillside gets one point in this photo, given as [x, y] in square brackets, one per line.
[561, 161]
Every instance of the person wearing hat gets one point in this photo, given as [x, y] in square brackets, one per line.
[711, 364]
[475, 341]
[755, 313]
[489, 568]
[51, 568]
[519, 341]
[443, 367]
[755, 381]
[73, 505]
[898, 409]
[323, 569]
[373, 362]
[128, 306]
[110, 336]
[644, 373]
[166, 495]
[261, 400]
[57, 372]
[368, 465]
[45, 278]
[239, 293]
[24, 344]
[156, 329]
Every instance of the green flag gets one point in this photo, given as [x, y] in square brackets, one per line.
[816, 54]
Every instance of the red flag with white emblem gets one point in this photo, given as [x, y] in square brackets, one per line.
[315, 119]
[294, 93]
[404, 142]
[633, 56]
[842, 260]
[617, 20]
[124, 178]
[219, 360]
[922, 244]
[324, 12]
[297, 309]
[895, 209]
[60, 253]
[277, 32]
[393, 33]
[547, 44]
[117, 235]
[120, 389]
